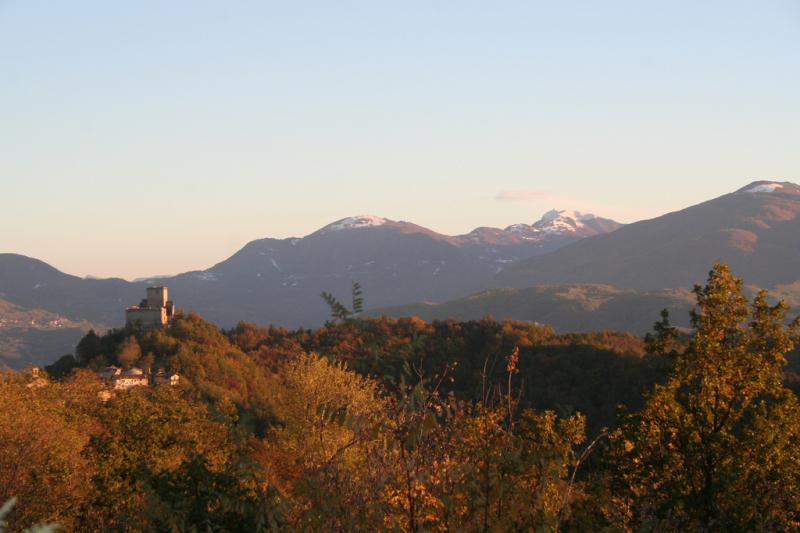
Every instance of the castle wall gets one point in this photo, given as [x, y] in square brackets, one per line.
[146, 317]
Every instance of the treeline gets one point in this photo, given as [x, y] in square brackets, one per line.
[590, 373]
[403, 425]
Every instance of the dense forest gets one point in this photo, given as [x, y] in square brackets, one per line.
[405, 425]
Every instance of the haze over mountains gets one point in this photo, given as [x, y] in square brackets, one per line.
[279, 280]
[576, 271]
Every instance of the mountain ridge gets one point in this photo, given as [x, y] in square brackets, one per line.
[755, 230]
[279, 280]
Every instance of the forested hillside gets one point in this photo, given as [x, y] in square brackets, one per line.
[572, 308]
[407, 425]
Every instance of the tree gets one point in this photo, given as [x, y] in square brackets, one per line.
[41, 438]
[339, 311]
[157, 447]
[358, 299]
[129, 352]
[715, 447]
[89, 347]
[318, 452]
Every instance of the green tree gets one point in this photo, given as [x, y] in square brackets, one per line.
[89, 347]
[339, 311]
[715, 447]
[358, 299]
[157, 447]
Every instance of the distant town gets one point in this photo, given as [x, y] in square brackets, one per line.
[54, 323]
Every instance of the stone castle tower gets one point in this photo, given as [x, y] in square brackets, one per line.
[155, 311]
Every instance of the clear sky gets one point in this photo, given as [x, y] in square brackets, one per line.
[154, 137]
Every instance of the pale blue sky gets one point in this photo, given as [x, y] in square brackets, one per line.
[154, 137]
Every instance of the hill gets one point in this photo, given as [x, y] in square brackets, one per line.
[33, 284]
[564, 307]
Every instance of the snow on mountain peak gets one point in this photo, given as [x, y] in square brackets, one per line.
[763, 187]
[360, 221]
[554, 221]
[555, 214]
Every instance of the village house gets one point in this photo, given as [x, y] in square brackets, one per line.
[109, 372]
[133, 377]
[162, 378]
[136, 377]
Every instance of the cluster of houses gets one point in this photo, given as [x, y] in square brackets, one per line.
[136, 377]
[51, 323]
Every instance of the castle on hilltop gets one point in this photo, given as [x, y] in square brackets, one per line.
[155, 311]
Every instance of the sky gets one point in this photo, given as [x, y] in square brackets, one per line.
[151, 137]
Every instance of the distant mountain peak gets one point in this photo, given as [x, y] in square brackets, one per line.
[359, 221]
[556, 221]
[555, 214]
[770, 187]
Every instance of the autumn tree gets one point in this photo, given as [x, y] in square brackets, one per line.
[715, 447]
[129, 352]
[42, 433]
[318, 451]
[154, 439]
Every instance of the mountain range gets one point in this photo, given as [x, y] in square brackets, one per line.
[756, 230]
[279, 280]
[576, 271]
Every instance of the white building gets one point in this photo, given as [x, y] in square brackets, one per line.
[133, 377]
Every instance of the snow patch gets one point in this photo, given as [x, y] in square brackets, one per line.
[275, 264]
[764, 187]
[555, 214]
[554, 221]
[361, 221]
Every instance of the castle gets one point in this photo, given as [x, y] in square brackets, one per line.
[155, 311]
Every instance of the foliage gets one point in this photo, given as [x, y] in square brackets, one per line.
[129, 352]
[154, 444]
[6, 509]
[339, 311]
[42, 433]
[715, 447]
